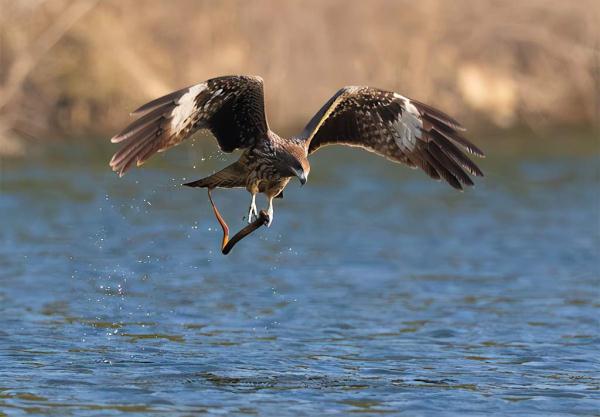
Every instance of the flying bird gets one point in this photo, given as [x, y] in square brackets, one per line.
[232, 109]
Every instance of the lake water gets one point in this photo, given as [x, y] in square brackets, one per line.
[375, 291]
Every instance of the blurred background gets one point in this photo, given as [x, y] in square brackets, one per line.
[72, 68]
[375, 290]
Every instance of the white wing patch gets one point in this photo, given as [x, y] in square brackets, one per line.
[409, 125]
[185, 107]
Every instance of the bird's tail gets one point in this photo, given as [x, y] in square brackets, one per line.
[230, 177]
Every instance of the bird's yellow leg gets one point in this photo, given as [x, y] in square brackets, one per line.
[221, 221]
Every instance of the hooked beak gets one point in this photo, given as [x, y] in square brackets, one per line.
[301, 176]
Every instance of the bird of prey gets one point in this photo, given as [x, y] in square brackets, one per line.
[232, 109]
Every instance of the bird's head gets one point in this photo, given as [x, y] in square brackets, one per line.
[302, 171]
[294, 163]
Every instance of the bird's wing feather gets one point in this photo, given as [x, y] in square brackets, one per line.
[231, 107]
[396, 127]
[232, 176]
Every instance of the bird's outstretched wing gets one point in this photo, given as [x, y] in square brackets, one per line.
[396, 127]
[231, 107]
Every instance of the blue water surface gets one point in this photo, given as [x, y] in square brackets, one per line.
[375, 291]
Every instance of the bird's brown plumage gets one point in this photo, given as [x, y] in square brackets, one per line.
[396, 127]
[232, 108]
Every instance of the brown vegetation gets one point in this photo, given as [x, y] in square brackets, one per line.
[76, 67]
